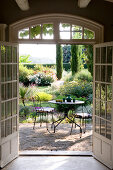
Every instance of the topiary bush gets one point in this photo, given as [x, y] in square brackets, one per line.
[41, 79]
[43, 96]
[59, 61]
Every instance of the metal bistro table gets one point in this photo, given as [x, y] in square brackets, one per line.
[77, 102]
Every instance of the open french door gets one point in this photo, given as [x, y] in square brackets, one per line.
[8, 102]
[103, 104]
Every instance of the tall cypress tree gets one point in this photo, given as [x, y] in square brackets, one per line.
[74, 59]
[59, 61]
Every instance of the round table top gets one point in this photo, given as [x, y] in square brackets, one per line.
[76, 102]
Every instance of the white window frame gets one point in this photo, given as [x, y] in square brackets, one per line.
[56, 19]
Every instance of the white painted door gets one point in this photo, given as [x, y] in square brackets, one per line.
[8, 102]
[103, 103]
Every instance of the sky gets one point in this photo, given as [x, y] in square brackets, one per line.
[39, 54]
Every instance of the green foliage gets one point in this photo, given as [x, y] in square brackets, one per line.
[48, 29]
[74, 59]
[36, 30]
[43, 96]
[24, 74]
[84, 75]
[78, 89]
[67, 76]
[24, 93]
[24, 33]
[88, 34]
[24, 59]
[89, 53]
[59, 61]
[41, 79]
[24, 111]
[67, 66]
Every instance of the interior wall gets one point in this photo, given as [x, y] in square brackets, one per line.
[98, 10]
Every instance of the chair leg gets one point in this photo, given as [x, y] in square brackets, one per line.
[34, 122]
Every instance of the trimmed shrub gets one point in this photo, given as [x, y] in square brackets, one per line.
[41, 79]
[59, 61]
[43, 96]
[74, 59]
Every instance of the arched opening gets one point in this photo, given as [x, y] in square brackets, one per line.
[65, 29]
[58, 24]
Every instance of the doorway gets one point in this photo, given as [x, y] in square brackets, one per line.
[61, 140]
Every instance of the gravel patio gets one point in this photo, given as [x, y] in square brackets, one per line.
[41, 139]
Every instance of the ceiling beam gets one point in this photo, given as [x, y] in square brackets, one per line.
[109, 0]
[83, 3]
[23, 4]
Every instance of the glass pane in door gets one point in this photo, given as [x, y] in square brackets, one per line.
[103, 55]
[109, 55]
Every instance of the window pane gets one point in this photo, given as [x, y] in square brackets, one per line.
[23, 34]
[109, 110]
[103, 55]
[76, 35]
[109, 74]
[3, 68]
[8, 108]
[35, 32]
[8, 127]
[14, 107]
[2, 111]
[88, 34]
[102, 109]
[103, 73]
[3, 50]
[14, 54]
[97, 59]
[47, 32]
[109, 92]
[14, 72]
[108, 130]
[65, 35]
[97, 107]
[8, 72]
[97, 125]
[109, 55]
[3, 97]
[14, 124]
[97, 76]
[102, 127]
[2, 129]
[8, 91]
[8, 54]
[103, 92]
[97, 90]
[15, 89]
[76, 32]
[64, 27]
